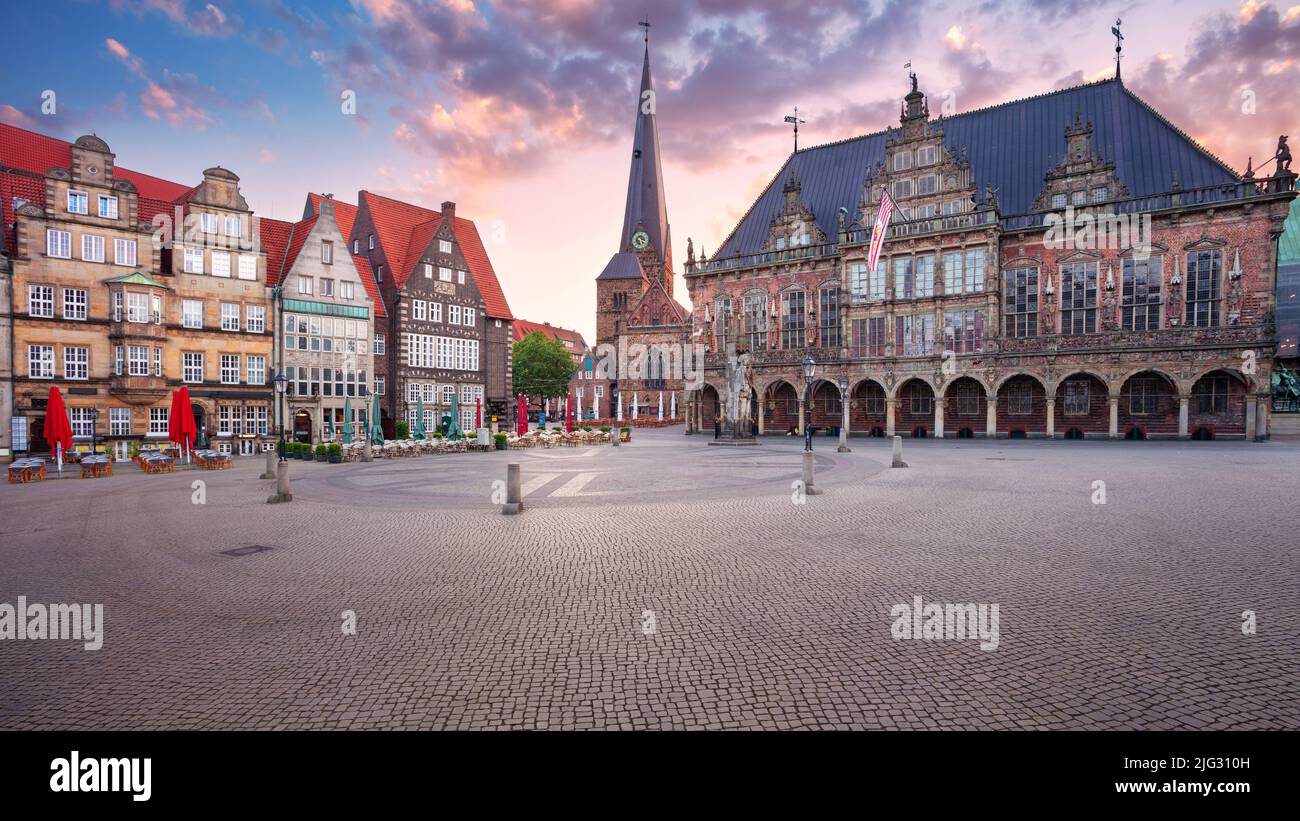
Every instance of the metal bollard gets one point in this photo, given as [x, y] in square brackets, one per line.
[898, 453]
[514, 491]
[808, 488]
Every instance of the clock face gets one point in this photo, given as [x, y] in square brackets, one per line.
[640, 240]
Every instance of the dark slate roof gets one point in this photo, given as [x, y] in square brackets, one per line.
[645, 205]
[623, 265]
[1010, 146]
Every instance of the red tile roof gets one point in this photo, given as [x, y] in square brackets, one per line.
[286, 241]
[400, 227]
[298, 233]
[522, 328]
[274, 235]
[345, 213]
[37, 153]
[372, 288]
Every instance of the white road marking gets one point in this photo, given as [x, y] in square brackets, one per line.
[574, 486]
[536, 483]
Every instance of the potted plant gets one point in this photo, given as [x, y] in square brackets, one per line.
[322, 452]
[500, 439]
[335, 453]
[437, 434]
[586, 428]
[625, 434]
[604, 428]
[403, 430]
[305, 448]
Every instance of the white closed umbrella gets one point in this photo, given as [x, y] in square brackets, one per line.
[636, 405]
[672, 414]
[620, 407]
[661, 406]
[579, 407]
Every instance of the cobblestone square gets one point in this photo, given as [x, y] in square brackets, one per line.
[669, 585]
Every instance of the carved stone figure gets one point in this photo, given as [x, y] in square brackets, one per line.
[1283, 154]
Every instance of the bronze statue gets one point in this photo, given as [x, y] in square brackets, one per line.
[1283, 156]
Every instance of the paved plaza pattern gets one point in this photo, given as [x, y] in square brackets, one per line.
[669, 585]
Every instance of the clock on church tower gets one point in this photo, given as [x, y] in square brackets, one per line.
[640, 240]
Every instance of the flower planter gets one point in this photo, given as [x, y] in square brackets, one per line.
[336, 460]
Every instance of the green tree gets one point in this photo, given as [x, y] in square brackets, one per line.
[541, 366]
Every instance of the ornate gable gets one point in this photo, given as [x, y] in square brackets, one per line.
[1082, 177]
[795, 224]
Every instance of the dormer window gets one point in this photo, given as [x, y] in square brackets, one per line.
[902, 160]
[108, 207]
[372, 242]
[356, 246]
[444, 246]
[78, 202]
[927, 155]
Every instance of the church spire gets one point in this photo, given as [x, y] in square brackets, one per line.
[646, 209]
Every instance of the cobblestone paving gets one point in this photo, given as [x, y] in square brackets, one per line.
[766, 613]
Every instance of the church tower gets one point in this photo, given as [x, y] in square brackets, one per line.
[644, 252]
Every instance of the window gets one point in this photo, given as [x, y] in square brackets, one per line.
[92, 248]
[40, 300]
[963, 331]
[1143, 395]
[108, 207]
[469, 318]
[255, 317]
[124, 252]
[211, 223]
[345, 290]
[356, 246]
[83, 421]
[119, 421]
[435, 311]
[230, 316]
[1079, 198]
[1212, 395]
[379, 344]
[869, 336]
[305, 285]
[232, 226]
[460, 277]
[224, 420]
[793, 320]
[74, 303]
[372, 242]
[755, 319]
[925, 276]
[444, 274]
[1058, 200]
[192, 313]
[963, 272]
[927, 155]
[76, 363]
[925, 212]
[453, 314]
[191, 367]
[828, 316]
[137, 307]
[904, 278]
[326, 287]
[418, 309]
[256, 370]
[117, 306]
[379, 385]
[247, 266]
[902, 188]
[1100, 194]
[119, 360]
[1020, 400]
[326, 252]
[220, 264]
[58, 244]
[953, 207]
[230, 369]
[261, 417]
[444, 246]
[40, 361]
[966, 399]
[919, 399]
[157, 362]
[1203, 289]
[420, 351]
[1021, 310]
[1141, 300]
[902, 160]
[193, 260]
[428, 270]
[1079, 298]
[137, 360]
[78, 202]
[158, 421]
[927, 184]
[914, 335]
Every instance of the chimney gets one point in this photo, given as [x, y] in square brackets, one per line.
[449, 210]
[327, 206]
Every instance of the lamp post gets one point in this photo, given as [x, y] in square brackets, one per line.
[281, 385]
[94, 423]
[809, 371]
[844, 415]
[363, 392]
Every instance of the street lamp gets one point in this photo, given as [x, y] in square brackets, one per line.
[94, 424]
[281, 385]
[363, 391]
[809, 371]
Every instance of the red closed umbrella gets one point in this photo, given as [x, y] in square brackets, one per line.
[57, 430]
[478, 414]
[181, 428]
[521, 416]
[568, 415]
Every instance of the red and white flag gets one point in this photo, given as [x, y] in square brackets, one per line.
[880, 229]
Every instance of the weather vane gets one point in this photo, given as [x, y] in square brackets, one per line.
[1119, 43]
[794, 121]
[645, 24]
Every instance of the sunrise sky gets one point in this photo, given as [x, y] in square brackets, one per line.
[522, 111]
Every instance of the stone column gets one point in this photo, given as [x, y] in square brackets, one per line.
[803, 418]
[891, 411]
[1263, 412]
[762, 415]
[939, 402]
[1183, 408]
[1114, 417]
[991, 425]
[1051, 418]
[1252, 411]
